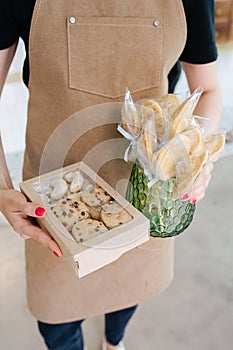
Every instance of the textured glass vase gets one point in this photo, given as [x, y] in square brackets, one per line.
[168, 217]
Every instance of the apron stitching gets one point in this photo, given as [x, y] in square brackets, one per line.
[183, 17]
[161, 39]
[115, 96]
[115, 25]
[73, 86]
[36, 18]
[68, 51]
[31, 34]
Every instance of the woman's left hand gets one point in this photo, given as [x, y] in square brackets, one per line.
[199, 187]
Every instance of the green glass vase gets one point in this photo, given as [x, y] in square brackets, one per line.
[168, 217]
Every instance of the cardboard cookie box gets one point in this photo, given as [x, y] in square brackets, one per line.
[92, 223]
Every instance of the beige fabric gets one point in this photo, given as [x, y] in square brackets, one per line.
[109, 45]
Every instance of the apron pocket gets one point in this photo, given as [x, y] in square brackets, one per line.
[106, 54]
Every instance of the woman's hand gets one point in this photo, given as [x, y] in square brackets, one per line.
[17, 210]
[199, 187]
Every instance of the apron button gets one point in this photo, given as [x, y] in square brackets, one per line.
[156, 23]
[72, 20]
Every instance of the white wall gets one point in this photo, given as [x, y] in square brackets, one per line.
[13, 106]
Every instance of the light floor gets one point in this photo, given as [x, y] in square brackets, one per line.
[195, 313]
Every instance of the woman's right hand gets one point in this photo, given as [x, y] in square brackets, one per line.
[17, 210]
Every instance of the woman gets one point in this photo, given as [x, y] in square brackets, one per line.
[82, 54]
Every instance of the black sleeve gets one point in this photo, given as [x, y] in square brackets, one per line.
[200, 46]
[9, 32]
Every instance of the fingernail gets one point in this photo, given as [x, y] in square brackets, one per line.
[57, 254]
[184, 197]
[194, 201]
[40, 211]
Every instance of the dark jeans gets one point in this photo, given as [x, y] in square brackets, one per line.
[68, 336]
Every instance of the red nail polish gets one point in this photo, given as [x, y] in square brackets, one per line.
[40, 211]
[184, 197]
[194, 201]
[57, 255]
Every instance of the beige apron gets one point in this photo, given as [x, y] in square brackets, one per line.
[84, 53]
